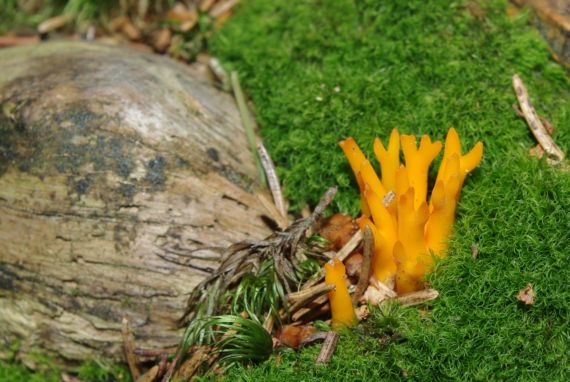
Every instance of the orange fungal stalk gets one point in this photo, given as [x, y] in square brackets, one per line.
[339, 298]
[411, 230]
[389, 159]
[417, 163]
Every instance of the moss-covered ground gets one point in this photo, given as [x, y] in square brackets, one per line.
[320, 71]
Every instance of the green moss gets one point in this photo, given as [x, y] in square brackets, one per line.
[100, 371]
[22, 14]
[91, 371]
[419, 67]
[422, 67]
[18, 373]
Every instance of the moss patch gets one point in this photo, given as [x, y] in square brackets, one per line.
[318, 73]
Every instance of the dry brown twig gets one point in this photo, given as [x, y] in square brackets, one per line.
[554, 153]
[272, 179]
[350, 246]
[191, 365]
[417, 298]
[173, 365]
[536, 151]
[54, 23]
[150, 375]
[305, 296]
[328, 348]
[222, 7]
[316, 305]
[365, 270]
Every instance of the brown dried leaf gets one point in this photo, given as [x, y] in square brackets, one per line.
[353, 264]
[53, 23]
[131, 31]
[161, 39]
[205, 5]
[293, 335]
[526, 295]
[187, 18]
[338, 229]
[222, 7]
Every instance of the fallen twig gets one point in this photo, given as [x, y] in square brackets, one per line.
[54, 23]
[416, 298]
[536, 151]
[191, 365]
[350, 246]
[474, 251]
[162, 366]
[205, 5]
[315, 337]
[222, 7]
[389, 292]
[272, 179]
[172, 367]
[365, 270]
[150, 375]
[303, 297]
[547, 124]
[315, 304]
[555, 154]
[128, 343]
[307, 293]
[329, 346]
[154, 352]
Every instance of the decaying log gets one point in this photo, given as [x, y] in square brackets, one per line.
[553, 21]
[120, 172]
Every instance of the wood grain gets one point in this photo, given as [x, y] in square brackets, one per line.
[120, 172]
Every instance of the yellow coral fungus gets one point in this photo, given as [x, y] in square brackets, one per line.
[389, 159]
[385, 236]
[408, 232]
[355, 159]
[442, 215]
[418, 161]
[467, 162]
[339, 298]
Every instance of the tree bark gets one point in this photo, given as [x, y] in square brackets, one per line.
[118, 171]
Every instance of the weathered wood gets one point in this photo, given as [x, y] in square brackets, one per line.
[553, 22]
[116, 168]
